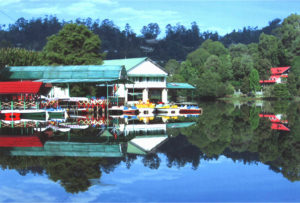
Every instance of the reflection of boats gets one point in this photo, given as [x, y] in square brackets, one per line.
[190, 109]
[26, 114]
[34, 114]
[57, 113]
[123, 110]
[145, 108]
[167, 108]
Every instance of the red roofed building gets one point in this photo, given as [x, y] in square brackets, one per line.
[21, 90]
[276, 75]
[21, 87]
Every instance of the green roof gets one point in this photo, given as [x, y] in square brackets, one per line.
[72, 73]
[176, 85]
[128, 63]
[180, 125]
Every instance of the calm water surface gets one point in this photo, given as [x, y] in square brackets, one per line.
[247, 152]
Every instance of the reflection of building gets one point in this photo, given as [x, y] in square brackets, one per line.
[20, 141]
[145, 144]
[73, 149]
[277, 121]
[277, 75]
[60, 138]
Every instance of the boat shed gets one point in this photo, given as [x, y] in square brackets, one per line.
[149, 80]
[97, 74]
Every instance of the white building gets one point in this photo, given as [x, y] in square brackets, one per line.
[149, 79]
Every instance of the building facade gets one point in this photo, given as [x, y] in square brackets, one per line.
[148, 79]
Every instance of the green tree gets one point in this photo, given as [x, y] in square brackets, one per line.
[281, 91]
[242, 66]
[172, 67]
[73, 45]
[238, 50]
[292, 84]
[270, 47]
[254, 80]
[214, 47]
[151, 31]
[18, 57]
[263, 65]
[198, 57]
[211, 85]
[289, 34]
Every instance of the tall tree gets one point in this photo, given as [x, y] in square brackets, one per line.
[151, 31]
[18, 57]
[254, 80]
[73, 45]
[269, 48]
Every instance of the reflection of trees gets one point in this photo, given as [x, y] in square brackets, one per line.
[238, 134]
[242, 135]
[152, 161]
[180, 151]
[73, 173]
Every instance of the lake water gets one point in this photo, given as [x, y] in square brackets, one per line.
[231, 152]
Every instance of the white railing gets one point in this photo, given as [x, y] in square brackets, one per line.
[147, 85]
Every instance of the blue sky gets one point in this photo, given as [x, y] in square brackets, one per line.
[221, 15]
[213, 181]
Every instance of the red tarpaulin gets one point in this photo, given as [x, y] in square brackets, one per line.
[24, 87]
[20, 141]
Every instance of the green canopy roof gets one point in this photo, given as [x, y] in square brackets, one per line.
[180, 125]
[70, 73]
[128, 63]
[176, 85]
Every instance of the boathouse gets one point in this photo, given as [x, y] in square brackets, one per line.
[132, 79]
[60, 77]
[149, 80]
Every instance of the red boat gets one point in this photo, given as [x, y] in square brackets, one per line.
[190, 109]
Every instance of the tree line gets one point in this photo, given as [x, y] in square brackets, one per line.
[217, 69]
[216, 65]
[120, 43]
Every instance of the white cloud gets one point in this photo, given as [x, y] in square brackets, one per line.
[20, 195]
[40, 180]
[42, 10]
[149, 15]
[4, 3]
[107, 2]
[93, 194]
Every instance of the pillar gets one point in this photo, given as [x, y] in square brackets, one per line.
[164, 96]
[126, 95]
[145, 95]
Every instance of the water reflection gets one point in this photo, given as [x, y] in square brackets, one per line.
[76, 151]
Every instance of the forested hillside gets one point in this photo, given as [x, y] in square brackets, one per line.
[117, 42]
